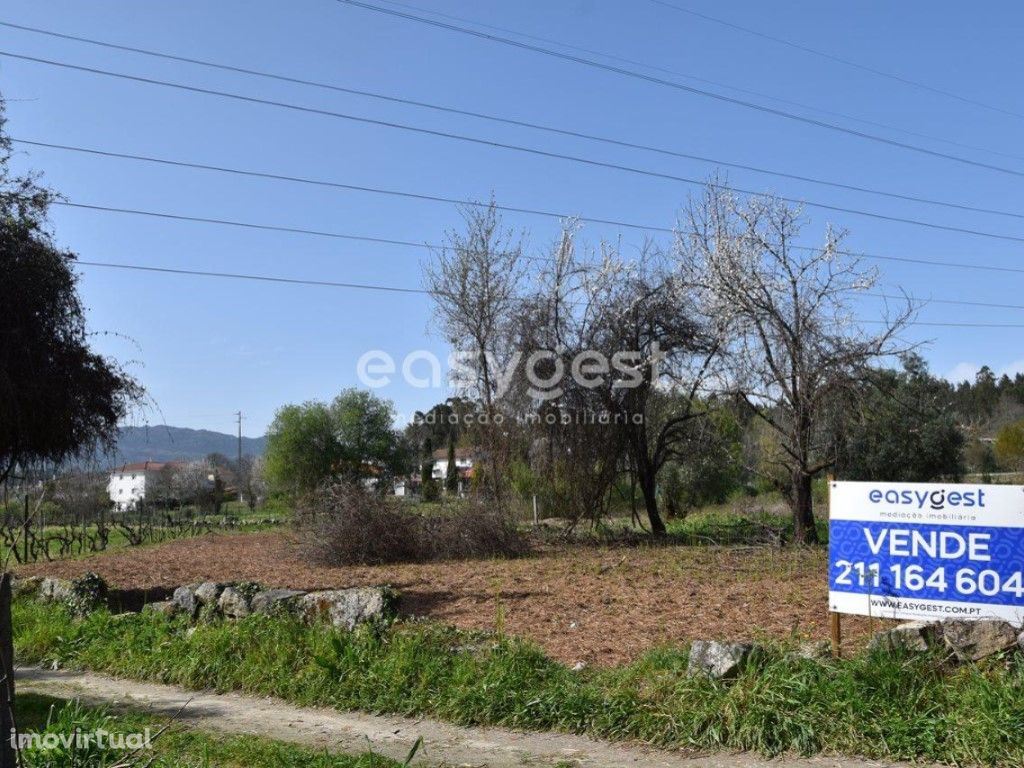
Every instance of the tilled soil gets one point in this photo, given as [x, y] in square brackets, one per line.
[598, 605]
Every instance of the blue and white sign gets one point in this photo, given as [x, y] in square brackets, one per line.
[927, 550]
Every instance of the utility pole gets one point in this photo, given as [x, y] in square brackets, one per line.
[238, 474]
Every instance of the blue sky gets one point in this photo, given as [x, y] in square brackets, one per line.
[209, 347]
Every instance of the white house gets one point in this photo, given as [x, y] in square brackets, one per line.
[127, 485]
[464, 460]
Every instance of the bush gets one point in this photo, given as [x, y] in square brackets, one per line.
[346, 525]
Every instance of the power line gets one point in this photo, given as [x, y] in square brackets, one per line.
[837, 59]
[514, 122]
[241, 224]
[408, 195]
[263, 278]
[958, 302]
[685, 76]
[397, 289]
[679, 86]
[178, 217]
[338, 185]
[502, 145]
[345, 236]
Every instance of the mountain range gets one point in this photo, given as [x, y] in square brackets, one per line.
[164, 443]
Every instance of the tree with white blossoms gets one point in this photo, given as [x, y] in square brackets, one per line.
[631, 343]
[475, 280]
[196, 482]
[794, 344]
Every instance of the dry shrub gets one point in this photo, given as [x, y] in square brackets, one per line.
[347, 525]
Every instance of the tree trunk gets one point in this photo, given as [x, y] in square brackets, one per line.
[651, 503]
[648, 480]
[804, 530]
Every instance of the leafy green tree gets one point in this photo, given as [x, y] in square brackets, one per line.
[904, 429]
[429, 486]
[301, 451]
[58, 398]
[352, 438]
[986, 392]
[365, 435]
[451, 475]
[710, 466]
[1009, 446]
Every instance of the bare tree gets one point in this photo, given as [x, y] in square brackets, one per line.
[161, 490]
[475, 280]
[795, 344]
[252, 480]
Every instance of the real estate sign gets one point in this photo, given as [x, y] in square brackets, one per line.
[927, 550]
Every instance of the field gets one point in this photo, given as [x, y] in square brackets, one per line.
[601, 605]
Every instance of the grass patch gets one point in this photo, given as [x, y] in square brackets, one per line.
[881, 706]
[177, 747]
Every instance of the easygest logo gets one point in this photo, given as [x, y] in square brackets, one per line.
[938, 499]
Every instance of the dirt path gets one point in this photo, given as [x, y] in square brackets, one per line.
[392, 736]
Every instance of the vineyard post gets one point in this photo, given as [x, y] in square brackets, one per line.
[25, 530]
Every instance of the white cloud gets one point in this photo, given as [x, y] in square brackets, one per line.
[962, 372]
[1011, 370]
[967, 371]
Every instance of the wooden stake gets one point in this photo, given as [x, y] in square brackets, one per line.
[837, 635]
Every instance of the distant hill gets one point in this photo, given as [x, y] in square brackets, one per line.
[161, 443]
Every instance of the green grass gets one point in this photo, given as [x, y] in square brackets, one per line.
[881, 706]
[175, 747]
[716, 521]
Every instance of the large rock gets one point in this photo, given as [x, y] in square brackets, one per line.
[233, 603]
[26, 587]
[275, 602]
[88, 592]
[208, 593]
[815, 650]
[54, 590]
[916, 636]
[345, 608]
[974, 640]
[717, 660]
[185, 598]
[166, 608]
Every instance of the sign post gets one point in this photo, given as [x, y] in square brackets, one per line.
[926, 551]
[837, 634]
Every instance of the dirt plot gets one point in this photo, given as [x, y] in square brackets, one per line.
[602, 605]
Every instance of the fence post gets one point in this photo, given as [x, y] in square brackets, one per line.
[7, 730]
[25, 531]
